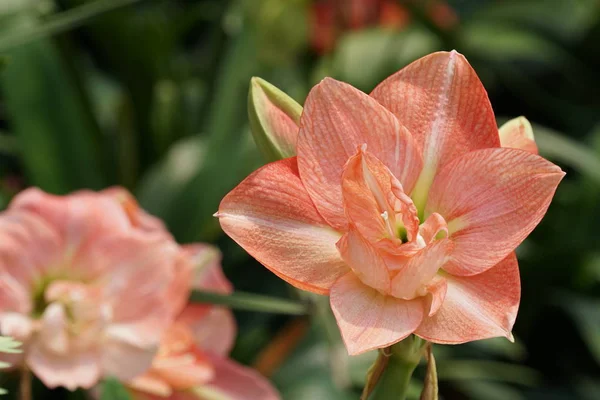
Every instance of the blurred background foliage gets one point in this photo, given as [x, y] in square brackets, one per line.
[151, 95]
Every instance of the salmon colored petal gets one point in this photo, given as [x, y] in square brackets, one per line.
[337, 119]
[78, 217]
[436, 289]
[151, 385]
[183, 371]
[433, 225]
[369, 320]
[477, 307]
[237, 382]
[73, 370]
[441, 101]
[207, 265]
[492, 199]
[13, 295]
[272, 217]
[138, 218]
[124, 360]
[214, 328]
[17, 326]
[368, 266]
[518, 134]
[374, 200]
[28, 248]
[417, 271]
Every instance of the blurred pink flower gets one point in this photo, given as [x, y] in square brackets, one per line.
[192, 362]
[402, 206]
[88, 282]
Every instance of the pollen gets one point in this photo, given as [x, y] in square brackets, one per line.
[385, 215]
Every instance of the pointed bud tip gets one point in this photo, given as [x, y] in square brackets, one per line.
[510, 337]
[216, 215]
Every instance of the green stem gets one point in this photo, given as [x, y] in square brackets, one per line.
[395, 380]
[250, 302]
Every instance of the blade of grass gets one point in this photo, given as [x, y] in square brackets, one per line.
[250, 302]
[61, 22]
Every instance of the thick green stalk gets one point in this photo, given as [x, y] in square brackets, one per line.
[404, 358]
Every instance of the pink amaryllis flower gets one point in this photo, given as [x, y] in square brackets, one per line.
[400, 205]
[88, 284]
[192, 362]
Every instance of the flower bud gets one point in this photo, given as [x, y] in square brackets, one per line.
[274, 120]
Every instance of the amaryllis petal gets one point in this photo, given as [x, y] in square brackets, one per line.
[150, 386]
[272, 217]
[369, 320]
[138, 217]
[213, 328]
[418, 270]
[125, 360]
[436, 289]
[73, 370]
[29, 247]
[208, 274]
[337, 119]
[518, 134]
[441, 101]
[237, 382]
[477, 307]
[364, 260]
[492, 199]
[183, 371]
[373, 197]
[79, 217]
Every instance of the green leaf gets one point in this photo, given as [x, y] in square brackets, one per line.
[250, 302]
[57, 138]
[451, 370]
[59, 23]
[559, 147]
[112, 389]
[586, 314]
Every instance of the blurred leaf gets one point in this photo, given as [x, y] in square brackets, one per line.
[566, 19]
[477, 390]
[167, 180]
[112, 389]
[59, 23]
[559, 147]
[307, 373]
[250, 302]
[502, 347]
[505, 43]
[281, 28]
[386, 51]
[136, 45]
[230, 152]
[586, 314]
[451, 370]
[55, 134]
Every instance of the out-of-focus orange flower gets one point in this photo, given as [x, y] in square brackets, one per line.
[192, 362]
[88, 282]
[331, 18]
[401, 205]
